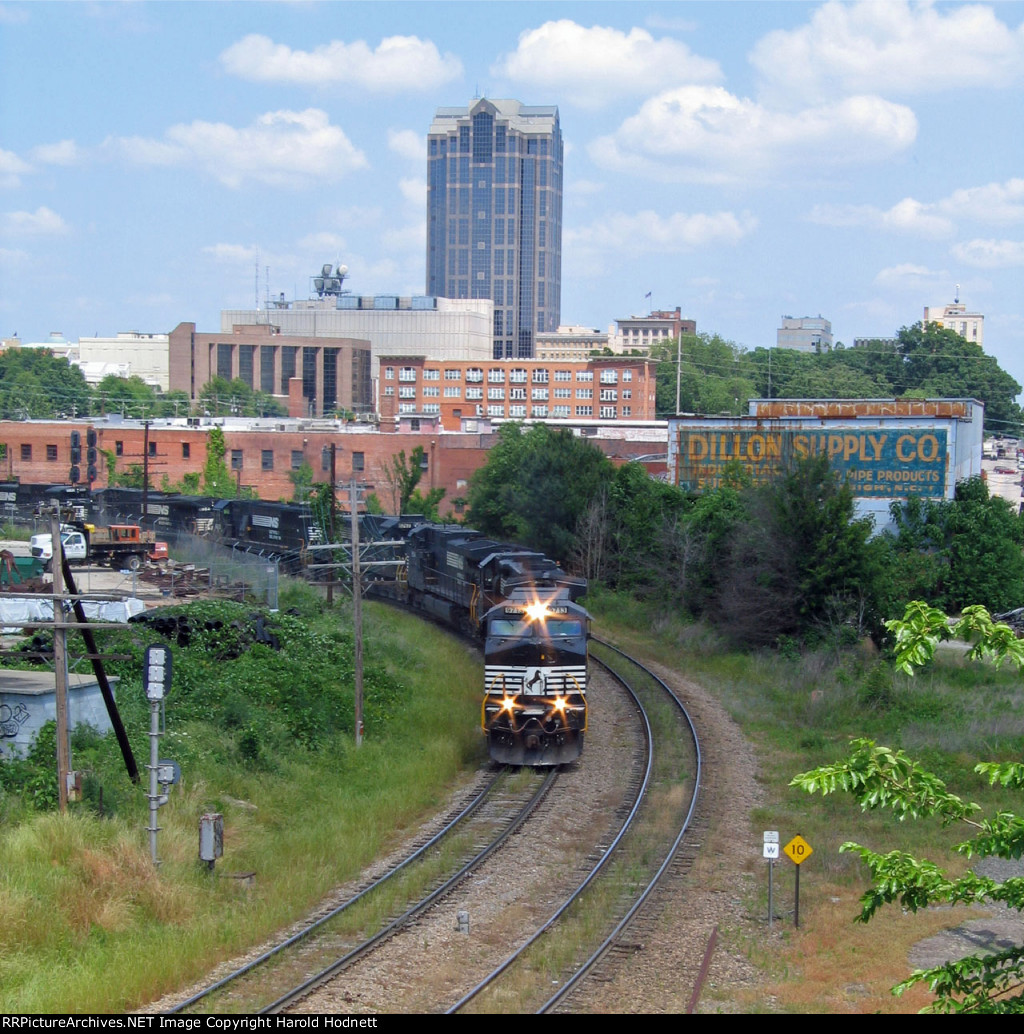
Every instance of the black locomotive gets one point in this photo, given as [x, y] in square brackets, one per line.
[524, 607]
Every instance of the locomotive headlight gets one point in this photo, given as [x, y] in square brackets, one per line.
[537, 611]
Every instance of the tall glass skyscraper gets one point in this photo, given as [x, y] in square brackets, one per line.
[494, 215]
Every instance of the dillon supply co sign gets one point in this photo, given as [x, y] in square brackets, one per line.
[879, 463]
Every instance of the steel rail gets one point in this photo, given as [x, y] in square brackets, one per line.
[337, 966]
[592, 875]
[589, 964]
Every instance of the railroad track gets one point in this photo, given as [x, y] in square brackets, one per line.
[500, 803]
[612, 897]
[588, 925]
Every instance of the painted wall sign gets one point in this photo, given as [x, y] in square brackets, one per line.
[880, 462]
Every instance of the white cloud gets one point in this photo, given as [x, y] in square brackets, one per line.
[12, 168]
[280, 148]
[414, 191]
[914, 278]
[708, 134]
[323, 243]
[42, 222]
[989, 254]
[591, 67]
[398, 64]
[648, 232]
[408, 144]
[231, 254]
[64, 152]
[406, 238]
[888, 48]
[998, 203]
[906, 216]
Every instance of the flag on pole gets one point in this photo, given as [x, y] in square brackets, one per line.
[648, 295]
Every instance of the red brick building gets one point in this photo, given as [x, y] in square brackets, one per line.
[606, 389]
[263, 453]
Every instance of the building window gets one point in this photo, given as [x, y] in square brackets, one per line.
[406, 407]
[51, 453]
[607, 412]
[431, 408]
[627, 375]
[609, 395]
[407, 373]
[236, 459]
[389, 389]
[297, 459]
[584, 410]
[495, 393]
[474, 393]
[389, 373]
[584, 393]
[517, 411]
[453, 375]
[540, 412]
[540, 376]
[609, 377]
[563, 375]
[432, 391]
[585, 375]
[118, 448]
[152, 448]
[563, 393]
[561, 411]
[431, 375]
[517, 376]
[186, 450]
[407, 392]
[358, 461]
[26, 453]
[496, 376]
[496, 411]
[267, 459]
[539, 394]
[474, 375]
[452, 392]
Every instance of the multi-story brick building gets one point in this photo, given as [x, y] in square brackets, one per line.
[318, 376]
[605, 388]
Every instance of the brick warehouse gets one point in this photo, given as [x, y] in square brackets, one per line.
[262, 453]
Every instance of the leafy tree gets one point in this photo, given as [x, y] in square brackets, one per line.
[958, 551]
[800, 561]
[36, 384]
[879, 777]
[402, 476]
[217, 479]
[302, 481]
[426, 504]
[129, 396]
[535, 486]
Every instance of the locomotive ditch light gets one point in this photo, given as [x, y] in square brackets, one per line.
[508, 704]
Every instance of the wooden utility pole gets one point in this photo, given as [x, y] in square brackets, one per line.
[330, 531]
[357, 610]
[145, 471]
[60, 662]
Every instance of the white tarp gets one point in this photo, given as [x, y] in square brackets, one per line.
[16, 610]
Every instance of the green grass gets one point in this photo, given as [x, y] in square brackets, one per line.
[87, 924]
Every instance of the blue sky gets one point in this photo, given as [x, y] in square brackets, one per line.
[741, 160]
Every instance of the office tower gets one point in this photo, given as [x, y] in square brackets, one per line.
[494, 215]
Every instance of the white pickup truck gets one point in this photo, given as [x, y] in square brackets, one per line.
[120, 545]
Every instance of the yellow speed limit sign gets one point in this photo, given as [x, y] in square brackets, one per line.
[798, 850]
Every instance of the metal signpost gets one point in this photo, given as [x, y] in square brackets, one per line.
[798, 851]
[156, 680]
[771, 852]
